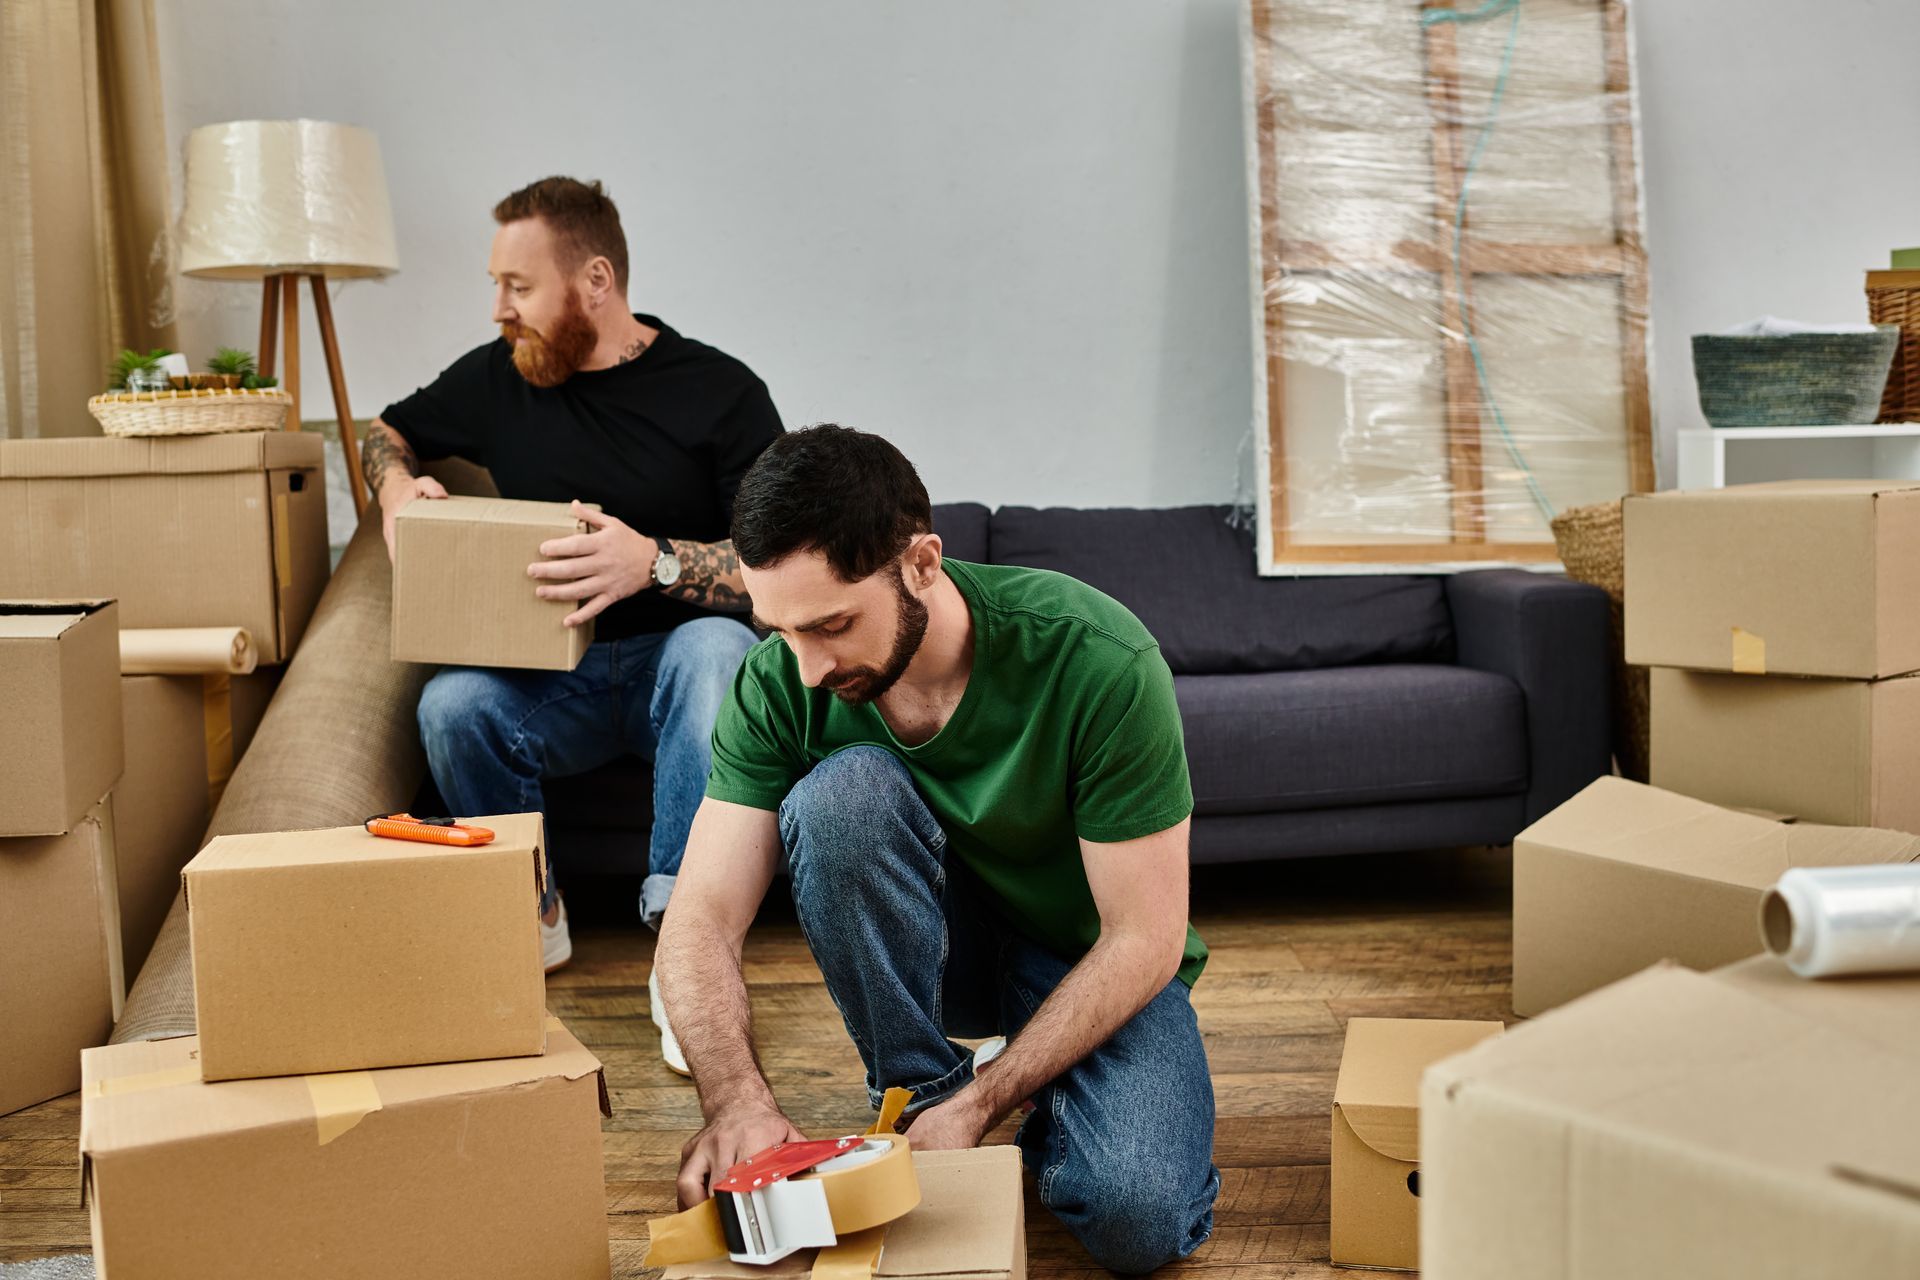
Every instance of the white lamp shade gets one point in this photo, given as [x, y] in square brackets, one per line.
[272, 196]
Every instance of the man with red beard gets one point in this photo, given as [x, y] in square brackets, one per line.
[582, 400]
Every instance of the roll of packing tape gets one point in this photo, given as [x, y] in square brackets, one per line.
[1829, 921]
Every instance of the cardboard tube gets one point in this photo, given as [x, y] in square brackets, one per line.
[1829, 921]
[187, 651]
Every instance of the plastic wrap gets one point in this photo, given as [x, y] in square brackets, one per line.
[1450, 328]
[1829, 921]
[267, 196]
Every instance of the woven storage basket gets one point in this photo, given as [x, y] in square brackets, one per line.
[1893, 297]
[1794, 379]
[188, 413]
[1593, 550]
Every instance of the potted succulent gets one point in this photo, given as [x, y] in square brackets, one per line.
[228, 367]
[259, 382]
[134, 371]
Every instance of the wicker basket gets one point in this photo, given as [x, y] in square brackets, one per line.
[1794, 379]
[1893, 297]
[1593, 550]
[189, 413]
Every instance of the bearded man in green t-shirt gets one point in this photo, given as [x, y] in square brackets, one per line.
[976, 777]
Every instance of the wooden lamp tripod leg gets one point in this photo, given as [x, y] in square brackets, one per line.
[337, 376]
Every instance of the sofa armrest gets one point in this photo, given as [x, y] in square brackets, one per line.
[1549, 635]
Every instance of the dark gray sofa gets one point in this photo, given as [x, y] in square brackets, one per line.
[1323, 714]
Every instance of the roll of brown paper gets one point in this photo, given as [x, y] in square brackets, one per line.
[187, 651]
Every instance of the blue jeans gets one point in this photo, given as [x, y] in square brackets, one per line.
[1121, 1144]
[492, 735]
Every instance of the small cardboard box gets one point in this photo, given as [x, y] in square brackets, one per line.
[61, 977]
[186, 531]
[462, 1171]
[1800, 577]
[461, 594]
[1625, 875]
[970, 1225]
[183, 734]
[1678, 1125]
[62, 747]
[337, 950]
[1376, 1135]
[1839, 751]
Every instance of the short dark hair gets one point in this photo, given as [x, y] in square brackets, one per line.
[582, 217]
[848, 494]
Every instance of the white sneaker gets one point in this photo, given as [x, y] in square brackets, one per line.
[669, 1047]
[556, 945]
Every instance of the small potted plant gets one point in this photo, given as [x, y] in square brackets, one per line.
[259, 382]
[230, 367]
[134, 371]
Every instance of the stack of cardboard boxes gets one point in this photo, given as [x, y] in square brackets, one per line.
[376, 1087]
[191, 531]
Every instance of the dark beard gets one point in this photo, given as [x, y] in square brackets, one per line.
[864, 684]
[549, 359]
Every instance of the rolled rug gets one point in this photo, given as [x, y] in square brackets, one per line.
[339, 741]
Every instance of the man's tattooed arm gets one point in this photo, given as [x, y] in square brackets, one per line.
[709, 576]
[382, 451]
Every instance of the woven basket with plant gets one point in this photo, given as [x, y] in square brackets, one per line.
[1592, 547]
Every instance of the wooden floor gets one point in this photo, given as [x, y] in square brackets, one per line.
[1298, 948]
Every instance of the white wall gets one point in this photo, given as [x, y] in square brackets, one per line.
[1010, 234]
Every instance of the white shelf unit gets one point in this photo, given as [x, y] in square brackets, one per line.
[1713, 457]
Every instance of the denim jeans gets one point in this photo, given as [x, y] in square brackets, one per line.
[1121, 1144]
[493, 735]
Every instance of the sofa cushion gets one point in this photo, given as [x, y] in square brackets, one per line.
[1351, 735]
[962, 527]
[1189, 576]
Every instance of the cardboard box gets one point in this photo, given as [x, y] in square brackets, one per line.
[336, 950]
[1799, 577]
[62, 747]
[458, 560]
[186, 531]
[1678, 1125]
[478, 1169]
[1376, 1135]
[1625, 875]
[183, 735]
[61, 977]
[1840, 751]
[970, 1225]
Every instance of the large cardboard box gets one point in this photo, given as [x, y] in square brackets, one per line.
[183, 734]
[60, 708]
[61, 977]
[186, 531]
[970, 1225]
[464, 1171]
[1376, 1134]
[1799, 577]
[461, 594]
[1679, 1125]
[1624, 875]
[337, 950]
[1841, 751]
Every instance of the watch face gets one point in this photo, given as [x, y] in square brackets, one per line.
[666, 570]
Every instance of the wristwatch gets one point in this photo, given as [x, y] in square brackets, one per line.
[666, 565]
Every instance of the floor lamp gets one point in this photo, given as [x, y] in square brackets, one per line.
[282, 202]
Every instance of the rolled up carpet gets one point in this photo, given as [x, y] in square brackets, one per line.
[338, 742]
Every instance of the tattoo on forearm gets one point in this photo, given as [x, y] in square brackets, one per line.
[383, 449]
[709, 576]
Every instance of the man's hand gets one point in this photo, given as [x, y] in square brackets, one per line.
[609, 563]
[732, 1136]
[396, 492]
[954, 1125]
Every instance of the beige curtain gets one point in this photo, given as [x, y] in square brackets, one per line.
[83, 205]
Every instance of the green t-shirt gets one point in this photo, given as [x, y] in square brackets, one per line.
[1068, 728]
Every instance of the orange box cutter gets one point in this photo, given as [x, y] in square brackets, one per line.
[404, 826]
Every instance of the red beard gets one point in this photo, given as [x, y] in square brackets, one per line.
[549, 359]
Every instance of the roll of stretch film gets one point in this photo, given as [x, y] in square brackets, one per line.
[1829, 921]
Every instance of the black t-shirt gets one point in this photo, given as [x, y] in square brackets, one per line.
[661, 442]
